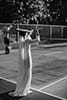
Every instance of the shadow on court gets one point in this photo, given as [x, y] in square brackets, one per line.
[6, 87]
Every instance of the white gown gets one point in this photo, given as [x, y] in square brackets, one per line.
[25, 68]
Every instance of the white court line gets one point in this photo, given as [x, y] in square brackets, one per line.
[8, 80]
[15, 50]
[38, 90]
[58, 97]
[11, 51]
[52, 53]
[53, 83]
[56, 52]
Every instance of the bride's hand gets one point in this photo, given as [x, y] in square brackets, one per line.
[38, 37]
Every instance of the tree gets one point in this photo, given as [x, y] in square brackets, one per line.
[31, 11]
[7, 11]
[58, 9]
[34, 11]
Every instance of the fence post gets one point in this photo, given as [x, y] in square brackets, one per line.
[50, 32]
[62, 32]
[18, 33]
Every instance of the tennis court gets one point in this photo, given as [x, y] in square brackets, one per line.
[49, 65]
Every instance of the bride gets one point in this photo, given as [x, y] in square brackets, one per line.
[25, 65]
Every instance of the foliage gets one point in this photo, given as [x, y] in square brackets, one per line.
[34, 11]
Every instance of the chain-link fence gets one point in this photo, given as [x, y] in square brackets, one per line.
[52, 32]
[47, 32]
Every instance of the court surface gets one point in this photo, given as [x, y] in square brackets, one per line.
[49, 68]
[6, 86]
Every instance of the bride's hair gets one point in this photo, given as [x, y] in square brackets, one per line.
[34, 34]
